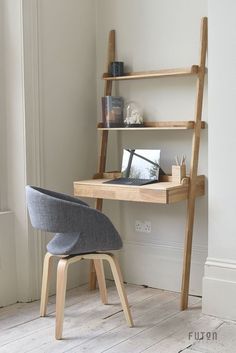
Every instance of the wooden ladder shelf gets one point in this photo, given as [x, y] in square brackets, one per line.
[167, 191]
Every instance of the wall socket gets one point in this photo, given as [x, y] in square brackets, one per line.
[143, 227]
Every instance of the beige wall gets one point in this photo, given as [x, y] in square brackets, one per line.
[50, 103]
[219, 285]
[155, 34]
[67, 91]
[3, 177]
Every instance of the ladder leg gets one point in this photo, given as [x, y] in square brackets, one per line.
[187, 255]
[103, 150]
[193, 169]
[98, 205]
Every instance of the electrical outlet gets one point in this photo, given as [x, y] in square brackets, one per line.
[138, 226]
[147, 227]
[143, 227]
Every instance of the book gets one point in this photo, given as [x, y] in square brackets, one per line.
[112, 111]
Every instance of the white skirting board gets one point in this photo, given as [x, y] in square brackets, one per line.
[160, 266]
[8, 293]
[219, 288]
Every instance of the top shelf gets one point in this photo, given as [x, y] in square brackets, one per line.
[193, 70]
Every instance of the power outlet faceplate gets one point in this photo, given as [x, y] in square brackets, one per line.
[147, 227]
[143, 227]
[138, 226]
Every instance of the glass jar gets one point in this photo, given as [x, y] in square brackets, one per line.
[133, 115]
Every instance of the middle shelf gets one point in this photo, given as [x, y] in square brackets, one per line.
[157, 125]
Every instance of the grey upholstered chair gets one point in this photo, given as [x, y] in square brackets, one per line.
[81, 233]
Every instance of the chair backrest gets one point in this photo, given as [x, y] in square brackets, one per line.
[52, 211]
[80, 228]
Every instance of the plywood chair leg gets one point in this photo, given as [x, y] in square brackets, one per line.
[47, 269]
[98, 264]
[92, 276]
[120, 288]
[60, 295]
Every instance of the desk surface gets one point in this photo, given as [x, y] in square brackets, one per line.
[162, 192]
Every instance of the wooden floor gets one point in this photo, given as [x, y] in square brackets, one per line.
[92, 327]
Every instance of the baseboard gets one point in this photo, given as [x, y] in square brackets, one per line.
[160, 265]
[219, 288]
[8, 290]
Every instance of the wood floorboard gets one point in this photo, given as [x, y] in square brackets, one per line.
[224, 342]
[180, 339]
[78, 317]
[91, 327]
[144, 313]
[21, 313]
[190, 351]
[156, 333]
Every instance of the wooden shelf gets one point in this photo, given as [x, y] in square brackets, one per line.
[167, 191]
[193, 70]
[157, 125]
[164, 192]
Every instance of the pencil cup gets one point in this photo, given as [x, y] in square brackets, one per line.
[178, 173]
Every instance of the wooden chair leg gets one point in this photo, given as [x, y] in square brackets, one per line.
[47, 269]
[60, 296]
[98, 264]
[92, 276]
[120, 287]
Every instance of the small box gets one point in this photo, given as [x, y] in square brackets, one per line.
[178, 173]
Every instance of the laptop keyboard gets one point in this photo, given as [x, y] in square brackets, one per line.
[129, 181]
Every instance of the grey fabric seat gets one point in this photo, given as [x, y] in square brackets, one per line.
[80, 231]
[79, 228]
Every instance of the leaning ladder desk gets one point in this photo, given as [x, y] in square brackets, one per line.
[166, 191]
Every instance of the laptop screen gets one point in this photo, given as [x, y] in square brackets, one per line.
[141, 164]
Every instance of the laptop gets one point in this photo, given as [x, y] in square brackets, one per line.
[139, 167]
